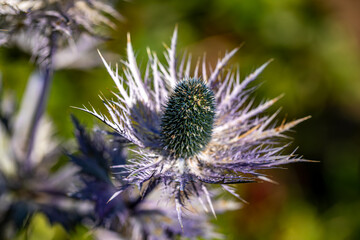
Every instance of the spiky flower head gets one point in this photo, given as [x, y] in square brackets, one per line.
[192, 130]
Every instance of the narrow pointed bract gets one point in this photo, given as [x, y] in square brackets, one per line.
[191, 130]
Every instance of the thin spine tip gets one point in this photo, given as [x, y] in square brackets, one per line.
[174, 37]
[266, 179]
[302, 119]
[240, 46]
[114, 196]
[306, 118]
[165, 46]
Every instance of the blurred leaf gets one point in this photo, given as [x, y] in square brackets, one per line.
[39, 228]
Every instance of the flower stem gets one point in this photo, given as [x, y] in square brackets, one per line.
[46, 70]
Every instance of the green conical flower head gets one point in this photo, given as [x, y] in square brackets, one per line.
[187, 122]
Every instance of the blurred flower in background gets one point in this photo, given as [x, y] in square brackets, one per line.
[39, 26]
[29, 189]
[33, 179]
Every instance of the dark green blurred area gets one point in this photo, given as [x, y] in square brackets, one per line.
[315, 45]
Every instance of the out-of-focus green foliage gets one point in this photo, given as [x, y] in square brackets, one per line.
[40, 228]
[317, 59]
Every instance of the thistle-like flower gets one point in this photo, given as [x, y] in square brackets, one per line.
[192, 130]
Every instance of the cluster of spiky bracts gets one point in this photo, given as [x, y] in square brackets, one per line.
[78, 193]
[190, 129]
[129, 216]
[28, 152]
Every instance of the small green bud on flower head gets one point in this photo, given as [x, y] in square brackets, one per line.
[187, 122]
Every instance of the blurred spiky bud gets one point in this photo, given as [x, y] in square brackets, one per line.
[40, 26]
[28, 189]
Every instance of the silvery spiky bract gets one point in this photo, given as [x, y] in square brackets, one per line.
[147, 111]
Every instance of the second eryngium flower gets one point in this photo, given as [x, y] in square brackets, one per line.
[191, 130]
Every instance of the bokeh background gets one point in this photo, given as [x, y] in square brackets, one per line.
[315, 45]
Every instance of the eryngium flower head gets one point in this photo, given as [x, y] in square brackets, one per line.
[190, 130]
